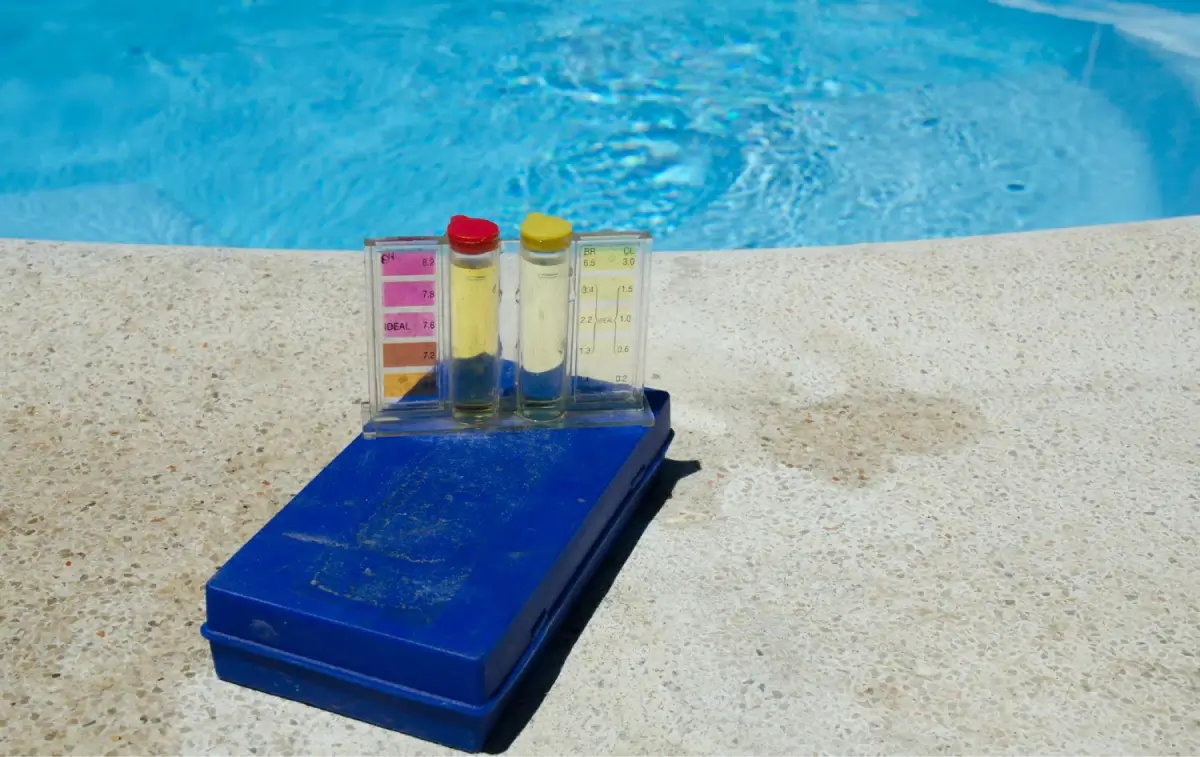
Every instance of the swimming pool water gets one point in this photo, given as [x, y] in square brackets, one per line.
[315, 123]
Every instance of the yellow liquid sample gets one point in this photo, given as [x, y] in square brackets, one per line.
[474, 338]
[544, 306]
[474, 310]
[545, 312]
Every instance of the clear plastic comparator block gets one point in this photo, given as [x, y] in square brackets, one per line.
[573, 312]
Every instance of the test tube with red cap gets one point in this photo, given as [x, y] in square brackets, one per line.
[474, 366]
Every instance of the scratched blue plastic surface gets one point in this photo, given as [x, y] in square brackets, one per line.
[414, 579]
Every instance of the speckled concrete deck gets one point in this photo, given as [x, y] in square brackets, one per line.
[948, 499]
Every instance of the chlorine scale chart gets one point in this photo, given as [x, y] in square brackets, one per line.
[607, 317]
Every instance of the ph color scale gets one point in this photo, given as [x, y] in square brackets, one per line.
[408, 346]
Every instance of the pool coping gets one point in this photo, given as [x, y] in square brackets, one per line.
[923, 496]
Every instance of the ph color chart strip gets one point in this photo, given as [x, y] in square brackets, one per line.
[408, 294]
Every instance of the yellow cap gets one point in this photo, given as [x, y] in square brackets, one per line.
[543, 233]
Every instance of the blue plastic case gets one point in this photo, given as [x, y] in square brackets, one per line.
[412, 583]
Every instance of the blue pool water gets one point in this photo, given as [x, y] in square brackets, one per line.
[315, 123]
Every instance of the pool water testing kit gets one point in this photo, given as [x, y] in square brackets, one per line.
[575, 356]
[507, 439]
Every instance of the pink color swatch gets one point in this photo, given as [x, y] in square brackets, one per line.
[407, 263]
[408, 324]
[404, 294]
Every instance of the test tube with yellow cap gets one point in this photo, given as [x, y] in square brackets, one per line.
[544, 313]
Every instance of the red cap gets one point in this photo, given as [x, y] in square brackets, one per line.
[472, 236]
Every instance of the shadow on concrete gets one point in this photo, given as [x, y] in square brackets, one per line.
[532, 691]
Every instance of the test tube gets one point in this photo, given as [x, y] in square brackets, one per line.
[474, 370]
[544, 311]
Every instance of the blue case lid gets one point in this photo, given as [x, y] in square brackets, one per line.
[431, 561]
